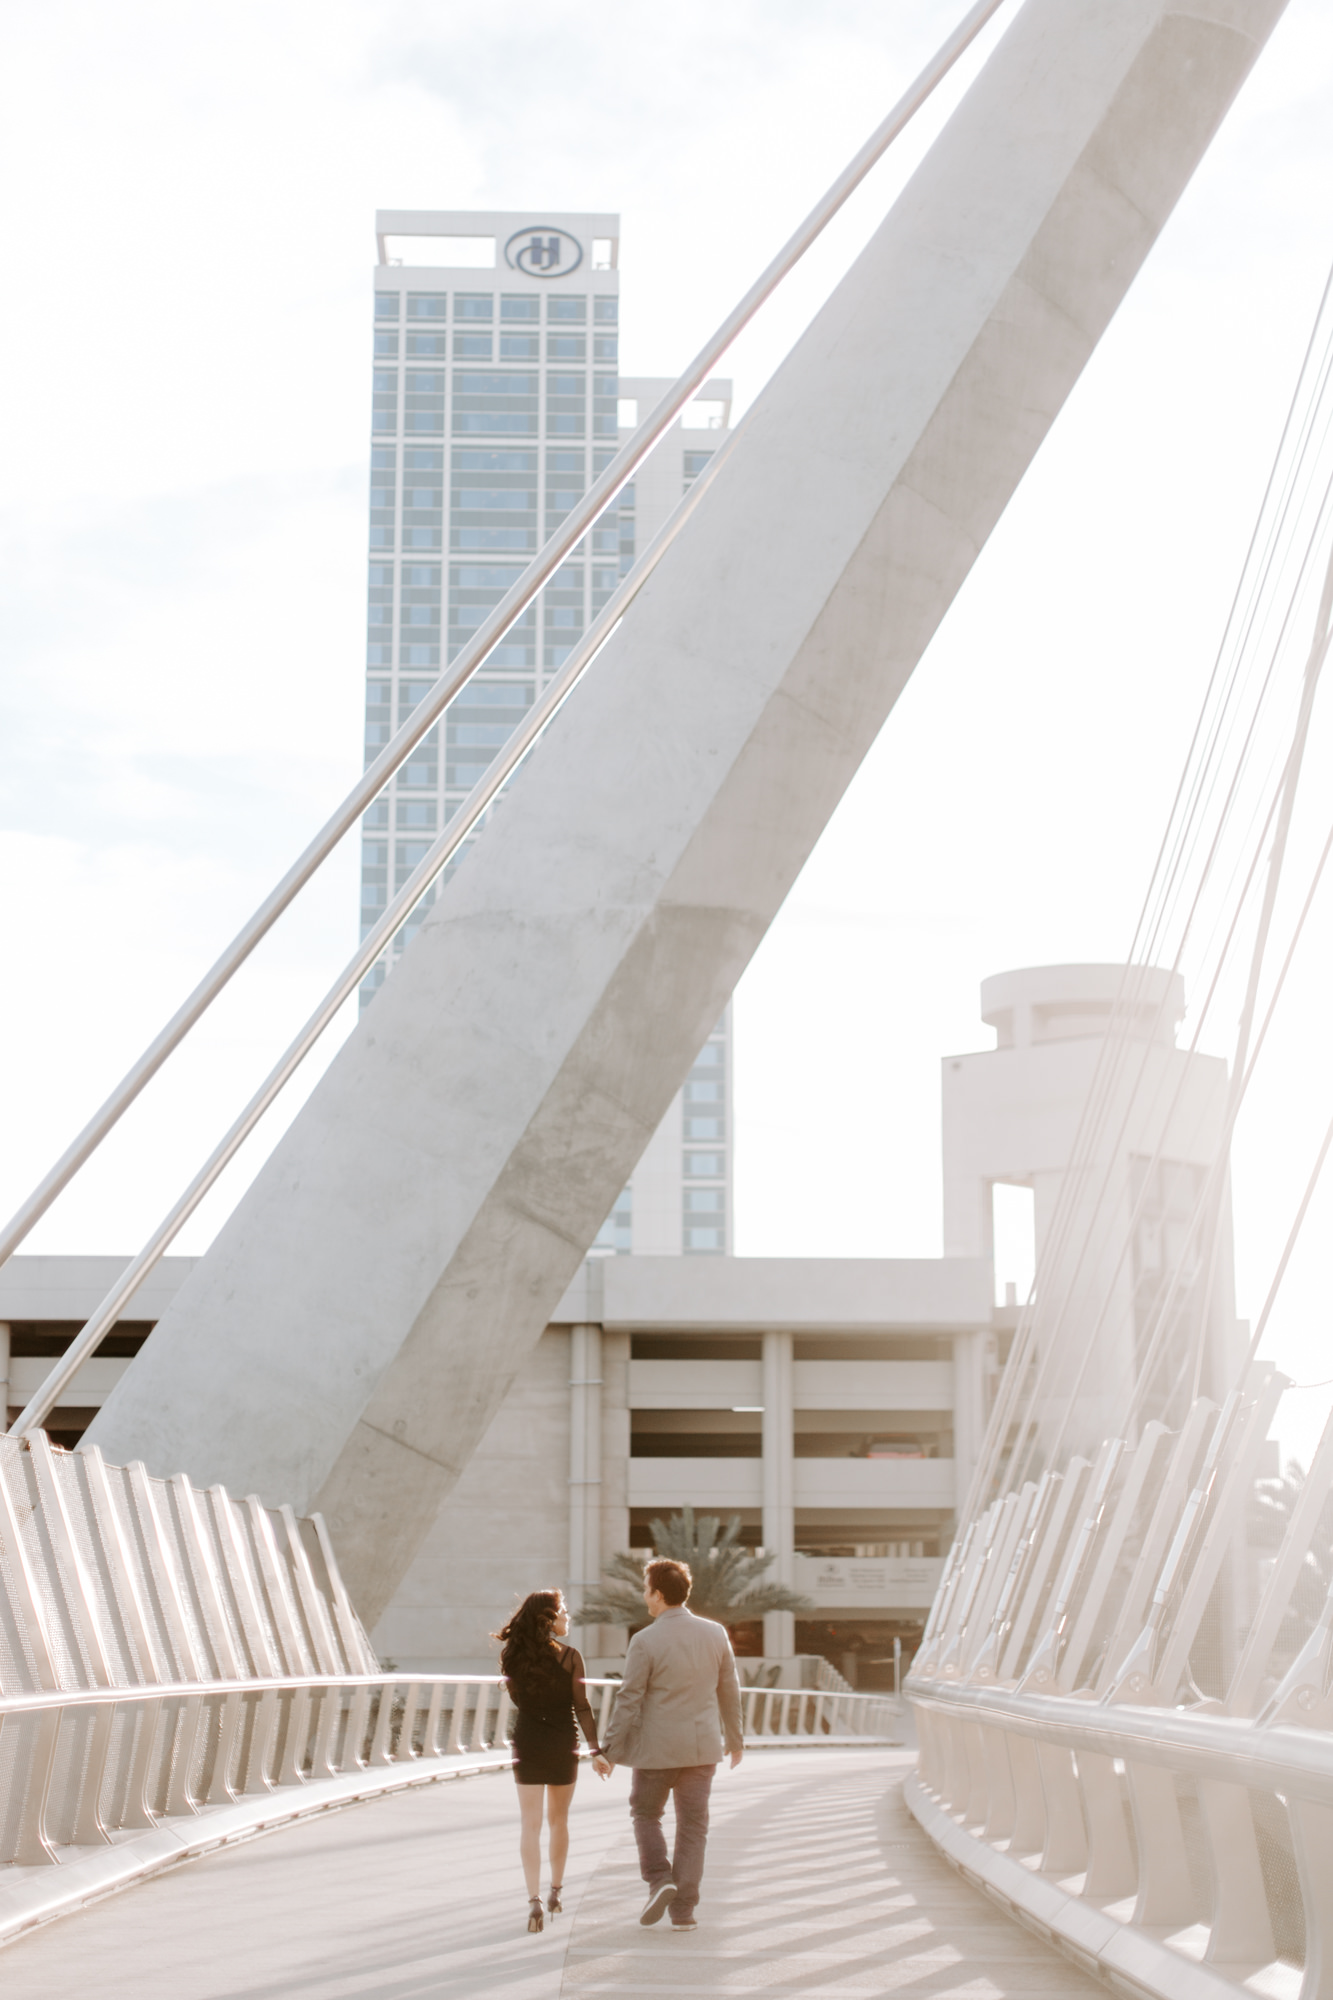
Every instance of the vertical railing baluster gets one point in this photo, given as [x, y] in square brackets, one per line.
[1000, 1802]
[930, 1759]
[479, 1717]
[324, 1753]
[1312, 1838]
[604, 1708]
[976, 1803]
[231, 1718]
[405, 1750]
[381, 1747]
[263, 1726]
[957, 1775]
[1029, 1834]
[90, 1829]
[1066, 1848]
[354, 1747]
[35, 1847]
[1166, 1888]
[291, 1765]
[457, 1717]
[1241, 1930]
[1112, 1871]
[180, 1792]
[138, 1808]
[430, 1736]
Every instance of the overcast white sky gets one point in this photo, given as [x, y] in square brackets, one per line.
[188, 198]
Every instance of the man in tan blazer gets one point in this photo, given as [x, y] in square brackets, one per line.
[678, 1709]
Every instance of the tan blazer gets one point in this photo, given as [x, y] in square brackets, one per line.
[680, 1702]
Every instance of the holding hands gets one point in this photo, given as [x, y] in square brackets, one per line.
[601, 1765]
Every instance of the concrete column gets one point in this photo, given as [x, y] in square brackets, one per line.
[585, 1463]
[779, 1505]
[612, 1639]
[4, 1374]
[968, 1411]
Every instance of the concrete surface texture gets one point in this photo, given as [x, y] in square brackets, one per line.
[353, 1329]
[818, 1882]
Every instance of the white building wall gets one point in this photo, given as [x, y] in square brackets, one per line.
[541, 1495]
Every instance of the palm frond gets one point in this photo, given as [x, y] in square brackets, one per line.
[729, 1583]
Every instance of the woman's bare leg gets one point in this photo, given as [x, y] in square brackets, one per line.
[558, 1798]
[530, 1835]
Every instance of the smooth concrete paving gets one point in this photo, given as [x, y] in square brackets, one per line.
[819, 1883]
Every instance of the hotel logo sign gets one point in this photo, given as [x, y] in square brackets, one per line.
[543, 252]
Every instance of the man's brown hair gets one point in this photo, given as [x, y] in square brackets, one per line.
[669, 1579]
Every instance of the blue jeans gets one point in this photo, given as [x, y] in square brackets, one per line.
[648, 1794]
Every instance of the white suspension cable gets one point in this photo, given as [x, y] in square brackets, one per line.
[1300, 450]
[94, 1332]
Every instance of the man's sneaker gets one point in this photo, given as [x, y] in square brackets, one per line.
[683, 1924]
[656, 1905]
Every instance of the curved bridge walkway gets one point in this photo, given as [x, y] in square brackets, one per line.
[819, 1883]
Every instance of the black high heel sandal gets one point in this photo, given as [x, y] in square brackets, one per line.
[535, 1917]
[553, 1904]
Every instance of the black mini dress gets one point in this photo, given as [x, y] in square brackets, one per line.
[545, 1739]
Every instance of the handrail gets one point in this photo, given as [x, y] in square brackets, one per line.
[82, 1772]
[1033, 1798]
[98, 1697]
[505, 614]
[1044, 1738]
[1285, 1757]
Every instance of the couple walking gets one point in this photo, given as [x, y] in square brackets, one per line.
[677, 1711]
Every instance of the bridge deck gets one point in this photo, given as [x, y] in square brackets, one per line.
[819, 1883]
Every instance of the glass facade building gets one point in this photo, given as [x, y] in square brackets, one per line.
[496, 400]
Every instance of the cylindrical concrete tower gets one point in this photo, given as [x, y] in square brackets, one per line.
[1086, 1100]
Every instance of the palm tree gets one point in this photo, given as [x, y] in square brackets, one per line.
[728, 1583]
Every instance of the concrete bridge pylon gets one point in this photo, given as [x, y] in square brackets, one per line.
[353, 1329]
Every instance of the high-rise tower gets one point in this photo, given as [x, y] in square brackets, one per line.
[497, 399]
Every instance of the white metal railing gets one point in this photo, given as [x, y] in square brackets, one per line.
[80, 1767]
[1183, 1846]
[167, 1654]
[1125, 1720]
[815, 1715]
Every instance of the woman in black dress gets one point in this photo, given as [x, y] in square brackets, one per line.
[545, 1681]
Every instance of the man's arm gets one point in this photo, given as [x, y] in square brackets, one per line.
[628, 1703]
[729, 1703]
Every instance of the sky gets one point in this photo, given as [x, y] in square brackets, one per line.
[188, 198]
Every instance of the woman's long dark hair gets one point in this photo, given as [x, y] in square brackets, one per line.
[526, 1646]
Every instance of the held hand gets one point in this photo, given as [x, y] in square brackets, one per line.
[601, 1765]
